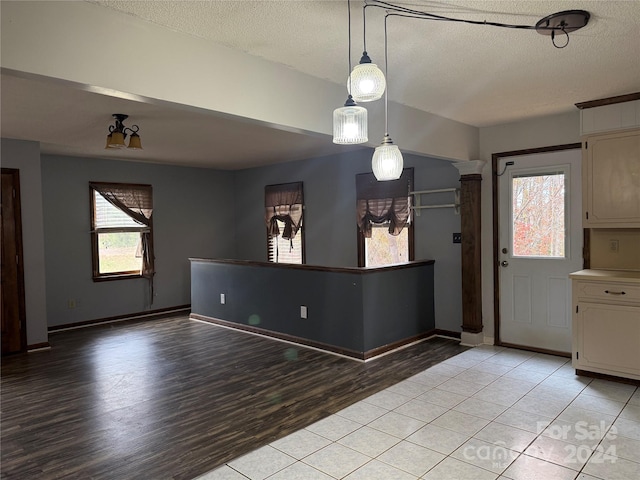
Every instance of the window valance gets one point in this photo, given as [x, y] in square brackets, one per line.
[383, 202]
[283, 202]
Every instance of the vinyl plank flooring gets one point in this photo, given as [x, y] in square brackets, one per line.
[174, 398]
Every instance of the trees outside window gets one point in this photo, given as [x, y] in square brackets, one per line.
[538, 215]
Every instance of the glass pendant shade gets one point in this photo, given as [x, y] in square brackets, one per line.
[366, 82]
[387, 161]
[134, 142]
[350, 124]
[115, 140]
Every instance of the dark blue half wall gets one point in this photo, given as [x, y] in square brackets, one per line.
[349, 310]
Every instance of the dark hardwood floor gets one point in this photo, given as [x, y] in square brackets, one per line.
[174, 398]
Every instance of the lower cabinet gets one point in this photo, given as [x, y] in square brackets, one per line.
[606, 327]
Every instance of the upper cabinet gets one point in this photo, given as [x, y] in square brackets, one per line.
[611, 180]
[601, 117]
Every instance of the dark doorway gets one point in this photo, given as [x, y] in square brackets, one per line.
[14, 328]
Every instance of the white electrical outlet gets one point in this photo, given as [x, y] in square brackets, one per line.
[614, 246]
[303, 311]
[223, 299]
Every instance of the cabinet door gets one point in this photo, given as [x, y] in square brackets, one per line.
[612, 180]
[608, 339]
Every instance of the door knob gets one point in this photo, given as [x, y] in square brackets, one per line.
[504, 263]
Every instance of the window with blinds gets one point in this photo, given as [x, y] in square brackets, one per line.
[284, 212]
[120, 242]
[282, 250]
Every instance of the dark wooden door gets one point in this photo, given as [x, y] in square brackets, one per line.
[12, 292]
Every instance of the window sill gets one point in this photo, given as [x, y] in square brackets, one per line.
[118, 276]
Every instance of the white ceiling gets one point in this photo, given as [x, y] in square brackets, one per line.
[478, 75]
[69, 120]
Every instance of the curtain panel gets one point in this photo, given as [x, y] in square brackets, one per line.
[382, 202]
[137, 202]
[283, 202]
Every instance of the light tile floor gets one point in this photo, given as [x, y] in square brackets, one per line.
[488, 413]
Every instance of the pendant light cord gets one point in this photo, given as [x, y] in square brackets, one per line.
[349, 17]
[386, 76]
[411, 13]
[364, 27]
[541, 27]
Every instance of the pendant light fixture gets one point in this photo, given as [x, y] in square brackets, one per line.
[118, 134]
[387, 159]
[350, 121]
[366, 82]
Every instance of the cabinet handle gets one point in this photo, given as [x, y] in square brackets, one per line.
[614, 293]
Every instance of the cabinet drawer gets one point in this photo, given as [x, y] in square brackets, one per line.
[614, 292]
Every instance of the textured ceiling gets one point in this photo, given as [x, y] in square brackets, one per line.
[479, 75]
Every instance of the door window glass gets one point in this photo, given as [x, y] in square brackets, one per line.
[538, 215]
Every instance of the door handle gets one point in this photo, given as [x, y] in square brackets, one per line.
[504, 263]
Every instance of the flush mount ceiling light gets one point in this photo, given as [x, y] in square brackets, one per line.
[350, 121]
[119, 132]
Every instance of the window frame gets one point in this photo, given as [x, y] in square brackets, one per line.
[362, 258]
[95, 250]
[301, 230]
[410, 233]
[565, 171]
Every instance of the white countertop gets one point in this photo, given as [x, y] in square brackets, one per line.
[608, 275]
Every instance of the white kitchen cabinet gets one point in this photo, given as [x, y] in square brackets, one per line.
[611, 180]
[606, 322]
[611, 117]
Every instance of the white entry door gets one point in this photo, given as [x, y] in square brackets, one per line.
[540, 228]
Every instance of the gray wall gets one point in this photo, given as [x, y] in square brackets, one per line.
[191, 218]
[346, 309]
[330, 218]
[188, 223]
[330, 199]
[25, 156]
[433, 230]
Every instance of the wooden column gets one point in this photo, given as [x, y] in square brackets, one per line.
[470, 218]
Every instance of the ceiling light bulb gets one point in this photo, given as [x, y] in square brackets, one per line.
[350, 128]
[366, 86]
